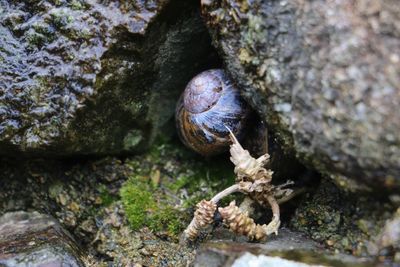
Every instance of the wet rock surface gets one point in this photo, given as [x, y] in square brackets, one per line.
[34, 239]
[91, 77]
[102, 78]
[287, 249]
[133, 210]
[324, 75]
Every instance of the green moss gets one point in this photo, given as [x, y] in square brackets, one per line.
[167, 219]
[35, 39]
[167, 183]
[137, 201]
[145, 206]
[181, 182]
[105, 196]
[76, 5]
[59, 18]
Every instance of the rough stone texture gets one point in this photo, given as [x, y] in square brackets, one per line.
[388, 241]
[342, 220]
[93, 77]
[287, 245]
[84, 196]
[324, 74]
[34, 239]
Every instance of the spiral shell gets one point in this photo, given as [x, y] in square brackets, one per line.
[209, 104]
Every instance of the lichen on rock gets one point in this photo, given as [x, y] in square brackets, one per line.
[90, 77]
[324, 75]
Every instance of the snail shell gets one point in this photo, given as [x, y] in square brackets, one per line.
[209, 104]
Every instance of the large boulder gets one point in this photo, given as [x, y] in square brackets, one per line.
[93, 77]
[325, 75]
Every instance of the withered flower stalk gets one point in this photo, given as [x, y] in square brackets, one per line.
[252, 179]
[203, 216]
[240, 223]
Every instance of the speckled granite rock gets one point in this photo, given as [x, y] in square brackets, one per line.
[93, 77]
[324, 74]
[33, 239]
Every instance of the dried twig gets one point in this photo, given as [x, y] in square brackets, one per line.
[254, 180]
[230, 190]
[202, 216]
[245, 164]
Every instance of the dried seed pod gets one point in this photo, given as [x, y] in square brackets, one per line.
[240, 223]
[203, 216]
[245, 164]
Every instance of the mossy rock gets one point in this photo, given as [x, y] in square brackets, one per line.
[84, 77]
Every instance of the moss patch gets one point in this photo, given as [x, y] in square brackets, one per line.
[166, 184]
[138, 202]
[106, 197]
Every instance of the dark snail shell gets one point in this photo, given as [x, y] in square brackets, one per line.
[209, 104]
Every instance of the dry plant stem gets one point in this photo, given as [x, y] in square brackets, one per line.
[274, 206]
[200, 222]
[191, 231]
[245, 206]
[226, 192]
[203, 216]
[293, 194]
[252, 179]
[273, 226]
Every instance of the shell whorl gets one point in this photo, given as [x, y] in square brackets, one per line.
[209, 103]
[203, 91]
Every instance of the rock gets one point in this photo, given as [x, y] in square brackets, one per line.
[250, 260]
[34, 239]
[93, 77]
[342, 220]
[325, 75]
[388, 241]
[100, 221]
[287, 249]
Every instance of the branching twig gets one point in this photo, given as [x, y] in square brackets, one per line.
[226, 192]
[254, 180]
